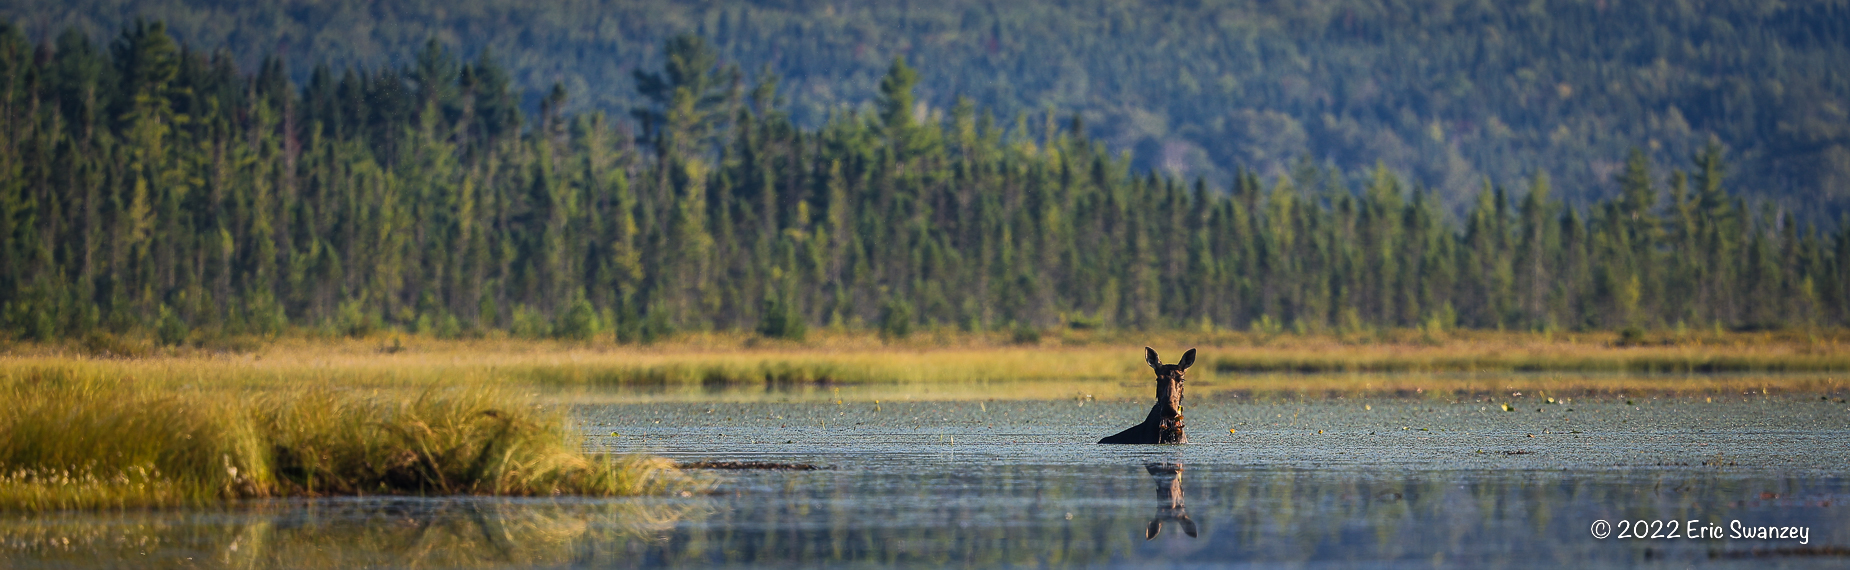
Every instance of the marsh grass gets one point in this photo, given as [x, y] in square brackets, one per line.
[937, 365]
[418, 362]
[1541, 357]
[939, 354]
[73, 438]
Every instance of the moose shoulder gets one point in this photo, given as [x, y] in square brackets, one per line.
[1164, 424]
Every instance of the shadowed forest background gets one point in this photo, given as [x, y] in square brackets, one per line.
[578, 170]
[1445, 92]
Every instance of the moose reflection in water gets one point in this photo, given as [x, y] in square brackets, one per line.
[1164, 424]
[1168, 500]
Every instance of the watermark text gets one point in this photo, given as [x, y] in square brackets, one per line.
[1696, 529]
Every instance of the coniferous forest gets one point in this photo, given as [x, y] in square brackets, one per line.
[1446, 93]
[150, 186]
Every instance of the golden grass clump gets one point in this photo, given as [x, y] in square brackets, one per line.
[71, 440]
[456, 441]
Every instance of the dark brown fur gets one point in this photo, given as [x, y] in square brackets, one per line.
[1164, 424]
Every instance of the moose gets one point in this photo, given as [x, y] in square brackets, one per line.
[1164, 424]
[1169, 505]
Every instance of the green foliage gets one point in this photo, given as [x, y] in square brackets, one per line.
[267, 317]
[1449, 92]
[529, 323]
[1631, 336]
[896, 319]
[1082, 321]
[579, 322]
[1267, 326]
[149, 202]
[779, 320]
[654, 327]
[356, 321]
[1025, 334]
[30, 321]
[449, 327]
[172, 330]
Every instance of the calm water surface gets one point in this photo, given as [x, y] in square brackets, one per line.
[1316, 483]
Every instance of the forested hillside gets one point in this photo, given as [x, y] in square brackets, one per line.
[1448, 93]
[149, 187]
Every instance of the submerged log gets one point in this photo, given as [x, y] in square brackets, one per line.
[1164, 424]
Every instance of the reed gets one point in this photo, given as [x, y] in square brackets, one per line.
[949, 365]
[76, 439]
[1539, 357]
[841, 356]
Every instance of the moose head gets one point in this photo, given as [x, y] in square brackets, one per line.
[1164, 424]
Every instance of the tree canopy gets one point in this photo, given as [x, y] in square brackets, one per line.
[153, 186]
[1445, 92]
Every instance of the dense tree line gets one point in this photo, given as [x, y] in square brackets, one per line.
[148, 186]
[1446, 92]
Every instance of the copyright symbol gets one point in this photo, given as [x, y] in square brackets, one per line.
[1601, 529]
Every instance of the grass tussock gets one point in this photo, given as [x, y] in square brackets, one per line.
[71, 440]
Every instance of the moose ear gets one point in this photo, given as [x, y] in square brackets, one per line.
[1149, 355]
[1188, 358]
[1155, 528]
[1188, 527]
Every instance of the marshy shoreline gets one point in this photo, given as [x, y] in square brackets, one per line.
[409, 415]
[73, 440]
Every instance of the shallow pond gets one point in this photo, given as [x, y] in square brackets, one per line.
[1420, 482]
